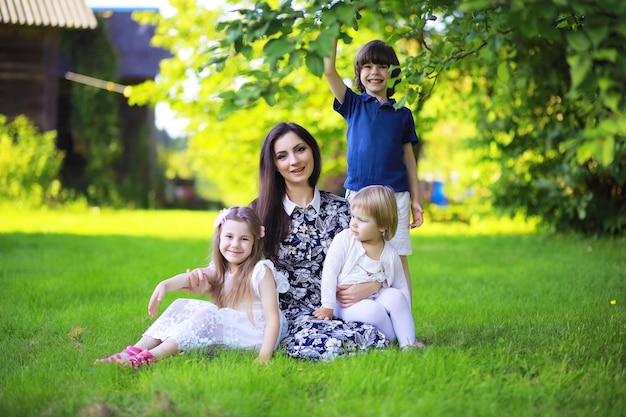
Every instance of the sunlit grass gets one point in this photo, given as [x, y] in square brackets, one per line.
[517, 323]
[175, 223]
[96, 221]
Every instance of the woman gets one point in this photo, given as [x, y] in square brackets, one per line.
[300, 222]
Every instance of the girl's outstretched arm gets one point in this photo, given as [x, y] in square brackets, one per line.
[180, 282]
[333, 78]
[269, 299]
[171, 284]
[198, 281]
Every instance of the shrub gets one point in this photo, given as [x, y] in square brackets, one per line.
[29, 163]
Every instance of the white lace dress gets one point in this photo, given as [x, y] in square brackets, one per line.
[199, 324]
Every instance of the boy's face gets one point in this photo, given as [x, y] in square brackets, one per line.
[374, 78]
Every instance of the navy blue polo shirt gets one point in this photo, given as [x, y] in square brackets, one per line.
[376, 136]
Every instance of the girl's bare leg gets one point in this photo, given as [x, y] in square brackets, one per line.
[168, 347]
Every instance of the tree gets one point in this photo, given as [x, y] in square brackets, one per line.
[548, 83]
[94, 116]
[223, 143]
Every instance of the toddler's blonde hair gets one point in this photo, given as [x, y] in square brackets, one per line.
[379, 201]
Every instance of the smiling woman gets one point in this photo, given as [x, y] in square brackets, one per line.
[301, 221]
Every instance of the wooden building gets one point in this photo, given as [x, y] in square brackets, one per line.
[29, 54]
[37, 78]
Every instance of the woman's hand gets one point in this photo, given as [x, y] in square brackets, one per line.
[198, 282]
[351, 294]
[157, 296]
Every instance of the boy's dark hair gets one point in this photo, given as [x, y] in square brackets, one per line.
[376, 52]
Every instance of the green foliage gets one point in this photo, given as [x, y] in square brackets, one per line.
[29, 163]
[510, 331]
[223, 146]
[551, 122]
[550, 84]
[548, 100]
[94, 117]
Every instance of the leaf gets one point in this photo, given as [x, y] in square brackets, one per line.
[259, 31]
[503, 71]
[608, 151]
[580, 64]
[295, 59]
[290, 90]
[227, 95]
[578, 41]
[315, 64]
[345, 12]
[611, 100]
[246, 51]
[276, 48]
[586, 151]
[323, 44]
[597, 34]
[234, 31]
[605, 55]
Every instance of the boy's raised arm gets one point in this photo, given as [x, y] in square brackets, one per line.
[334, 80]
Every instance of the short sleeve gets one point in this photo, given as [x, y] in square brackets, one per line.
[282, 285]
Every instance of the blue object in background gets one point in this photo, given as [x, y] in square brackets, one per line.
[437, 196]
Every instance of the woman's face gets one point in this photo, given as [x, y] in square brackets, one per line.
[293, 159]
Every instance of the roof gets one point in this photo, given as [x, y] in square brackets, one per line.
[137, 58]
[55, 13]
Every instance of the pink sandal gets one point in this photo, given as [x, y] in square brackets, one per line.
[130, 351]
[143, 358]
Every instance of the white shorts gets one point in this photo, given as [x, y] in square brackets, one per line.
[402, 239]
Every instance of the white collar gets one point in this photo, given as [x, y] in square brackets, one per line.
[290, 206]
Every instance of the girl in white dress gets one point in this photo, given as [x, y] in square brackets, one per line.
[243, 311]
[362, 254]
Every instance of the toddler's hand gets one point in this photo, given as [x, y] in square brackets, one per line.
[323, 313]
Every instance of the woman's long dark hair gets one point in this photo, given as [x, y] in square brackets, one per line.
[272, 187]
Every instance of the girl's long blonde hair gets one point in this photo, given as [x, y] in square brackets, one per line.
[240, 290]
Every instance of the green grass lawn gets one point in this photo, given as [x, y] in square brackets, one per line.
[517, 323]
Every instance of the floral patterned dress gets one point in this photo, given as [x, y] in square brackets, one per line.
[301, 257]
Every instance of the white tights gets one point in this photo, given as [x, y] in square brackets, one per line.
[388, 310]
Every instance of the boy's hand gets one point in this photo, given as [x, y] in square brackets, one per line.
[323, 313]
[418, 215]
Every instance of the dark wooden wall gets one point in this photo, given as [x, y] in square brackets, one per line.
[29, 73]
